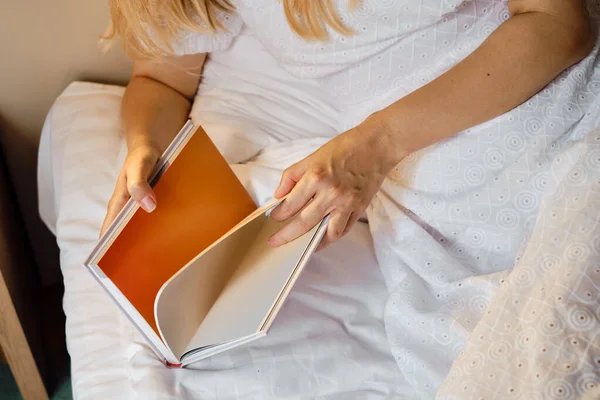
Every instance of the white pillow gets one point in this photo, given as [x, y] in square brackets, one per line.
[81, 121]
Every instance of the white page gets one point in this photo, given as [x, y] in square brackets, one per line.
[185, 299]
[254, 288]
[206, 352]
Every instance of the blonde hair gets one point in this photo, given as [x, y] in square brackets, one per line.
[149, 27]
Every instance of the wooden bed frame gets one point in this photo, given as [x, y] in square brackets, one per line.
[20, 323]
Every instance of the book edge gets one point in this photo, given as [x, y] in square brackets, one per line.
[285, 291]
[158, 346]
[200, 355]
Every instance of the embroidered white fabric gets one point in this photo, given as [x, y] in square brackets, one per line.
[488, 241]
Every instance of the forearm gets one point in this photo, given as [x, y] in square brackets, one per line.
[152, 112]
[516, 61]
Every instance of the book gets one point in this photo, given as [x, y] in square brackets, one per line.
[197, 276]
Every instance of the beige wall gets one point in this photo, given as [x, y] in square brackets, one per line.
[44, 45]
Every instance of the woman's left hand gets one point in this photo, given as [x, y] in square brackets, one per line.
[339, 179]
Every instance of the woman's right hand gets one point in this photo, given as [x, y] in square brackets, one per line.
[133, 182]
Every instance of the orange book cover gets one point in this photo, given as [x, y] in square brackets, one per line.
[199, 199]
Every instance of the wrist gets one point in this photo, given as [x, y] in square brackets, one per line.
[141, 140]
[389, 134]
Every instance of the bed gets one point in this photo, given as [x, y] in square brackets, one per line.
[338, 336]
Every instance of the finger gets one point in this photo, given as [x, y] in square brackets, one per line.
[336, 228]
[302, 223]
[289, 179]
[137, 183]
[354, 217]
[116, 203]
[296, 200]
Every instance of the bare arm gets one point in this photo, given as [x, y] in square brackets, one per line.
[541, 39]
[158, 99]
[155, 106]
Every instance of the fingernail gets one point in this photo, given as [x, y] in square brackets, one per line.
[272, 242]
[148, 204]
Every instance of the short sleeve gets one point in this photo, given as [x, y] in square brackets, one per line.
[196, 42]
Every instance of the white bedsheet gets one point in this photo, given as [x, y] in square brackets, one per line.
[328, 342]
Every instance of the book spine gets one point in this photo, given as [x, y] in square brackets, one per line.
[171, 365]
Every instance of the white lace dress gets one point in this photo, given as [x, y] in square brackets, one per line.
[488, 241]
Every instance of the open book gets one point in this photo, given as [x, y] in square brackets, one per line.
[197, 276]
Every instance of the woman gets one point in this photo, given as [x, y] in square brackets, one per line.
[406, 78]
[541, 39]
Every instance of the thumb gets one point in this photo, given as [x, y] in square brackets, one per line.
[137, 183]
[289, 178]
